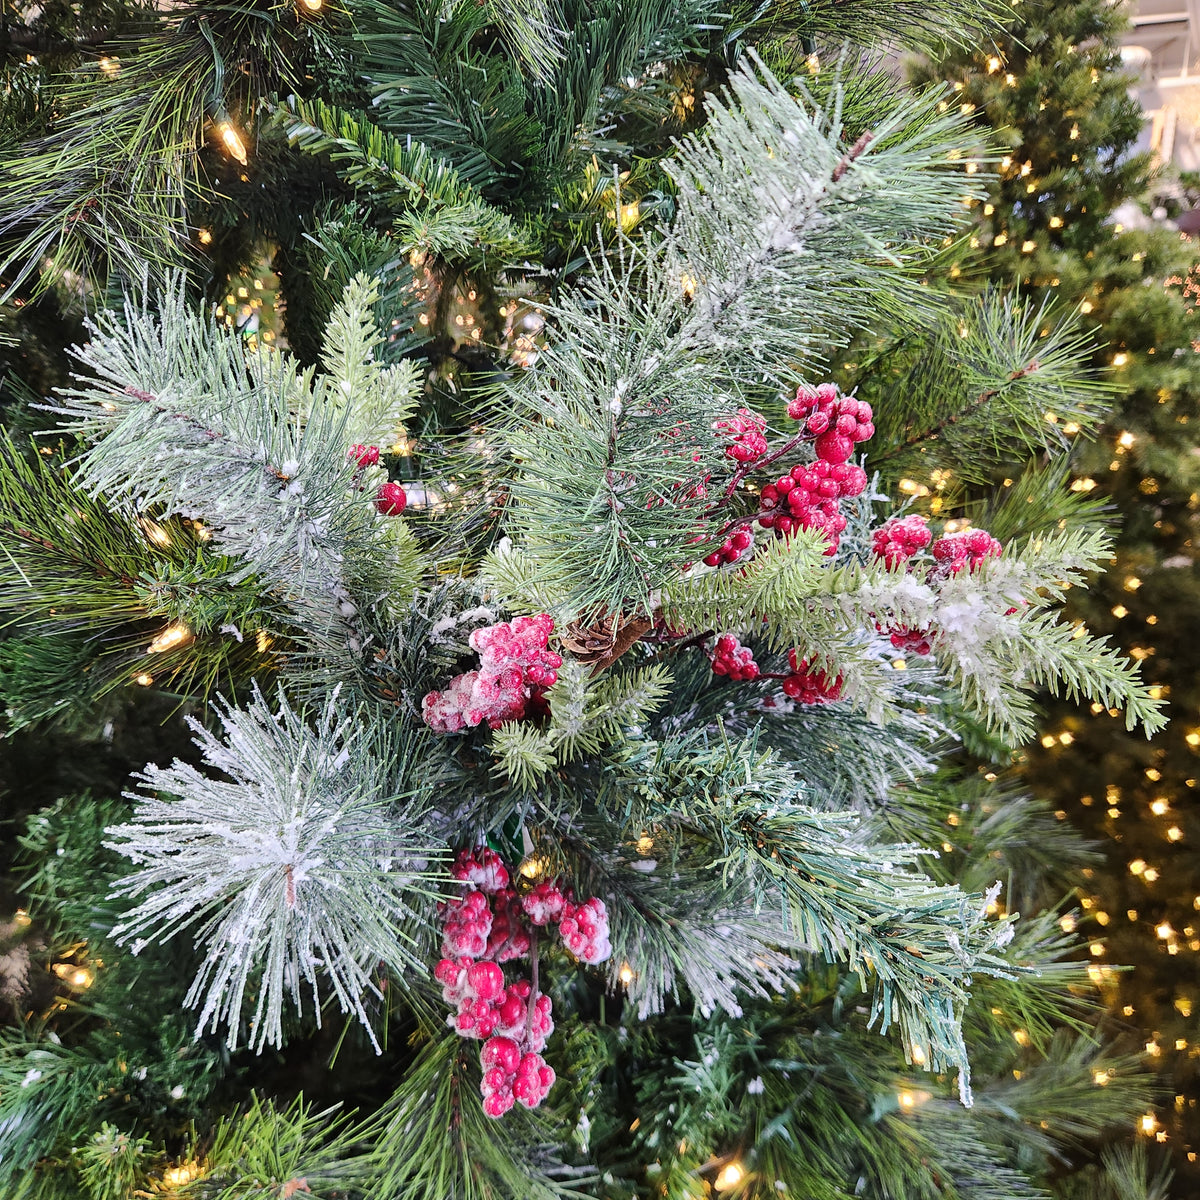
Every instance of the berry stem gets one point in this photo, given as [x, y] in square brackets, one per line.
[533, 973]
[764, 460]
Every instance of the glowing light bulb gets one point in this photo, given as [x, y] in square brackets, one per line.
[178, 1176]
[232, 141]
[313, 6]
[625, 975]
[731, 1175]
[532, 867]
[172, 636]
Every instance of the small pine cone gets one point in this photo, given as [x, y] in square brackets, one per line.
[599, 639]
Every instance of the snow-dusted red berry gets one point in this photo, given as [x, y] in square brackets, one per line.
[468, 924]
[809, 398]
[498, 1103]
[534, 1079]
[914, 640]
[899, 538]
[508, 939]
[544, 903]
[365, 456]
[584, 931]
[515, 668]
[500, 1052]
[834, 447]
[746, 434]
[970, 549]
[390, 500]
[486, 980]
[731, 658]
[482, 868]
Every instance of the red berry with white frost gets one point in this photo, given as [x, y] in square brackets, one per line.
[970, 549]
[584, 931]
[900, 538]
[500, 1052]
[390, 500]
[746, 434]
[515, 669]
[468, 924]
[544, 903]
[914, 640]
[365, 456]
[508, 940]
[481, 868]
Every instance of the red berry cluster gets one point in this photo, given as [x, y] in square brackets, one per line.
[484, 927]
[837, 422]
[734, 546]
[968, 549]
[515, 669]
[747, 434]
[899, 538]
[807, 498]
[365, 456]
[731, 658]
[808, 684]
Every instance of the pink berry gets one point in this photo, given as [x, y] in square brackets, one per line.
[390, 500]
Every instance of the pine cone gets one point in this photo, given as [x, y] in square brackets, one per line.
[600, 639]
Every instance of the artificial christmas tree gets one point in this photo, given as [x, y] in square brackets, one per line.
[584, 730]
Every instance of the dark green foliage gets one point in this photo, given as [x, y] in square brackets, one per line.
[113, 591]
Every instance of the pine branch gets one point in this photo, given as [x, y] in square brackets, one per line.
[182, 421]
[294, 862]
[986, 385]
[269, 1149]
[846, 899]
[437, 1141]
[437, 212]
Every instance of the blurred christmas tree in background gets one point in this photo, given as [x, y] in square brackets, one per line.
[1051, 92]
[539, 572]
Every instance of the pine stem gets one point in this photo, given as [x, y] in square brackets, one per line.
[533, 995]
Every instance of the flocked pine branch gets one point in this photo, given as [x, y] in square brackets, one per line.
[677, 334]
[182, 421]
[846, 898]
[307, 858]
